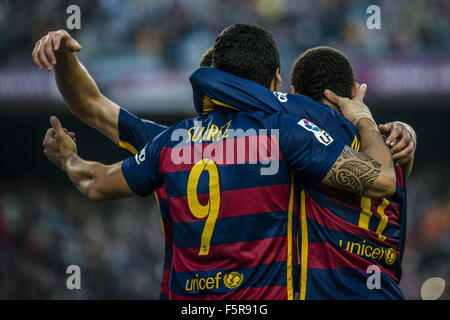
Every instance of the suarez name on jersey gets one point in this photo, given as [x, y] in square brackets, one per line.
[226, 192]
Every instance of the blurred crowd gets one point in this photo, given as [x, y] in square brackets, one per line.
[428, 239]
[44, 228]
[174, 33]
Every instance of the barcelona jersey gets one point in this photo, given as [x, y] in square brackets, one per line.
[229, 199]
[134, 134]
[344, 238]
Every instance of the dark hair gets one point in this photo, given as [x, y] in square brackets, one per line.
[206, 60]
[247, 51]
[322, 68]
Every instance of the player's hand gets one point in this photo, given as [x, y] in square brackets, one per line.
[71, 134]
[355, 109]
[59, 145]
[54, 42]
[403, 139]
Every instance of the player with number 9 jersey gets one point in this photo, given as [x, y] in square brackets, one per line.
[343, 238]
[226, 180]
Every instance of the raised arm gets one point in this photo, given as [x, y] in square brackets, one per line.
[95, 180]
[57, 50]
[369, 172]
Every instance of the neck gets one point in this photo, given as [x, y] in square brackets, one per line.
[328, 103]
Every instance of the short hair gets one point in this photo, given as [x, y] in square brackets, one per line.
[207, 57]
[247, 51]
[322, 68]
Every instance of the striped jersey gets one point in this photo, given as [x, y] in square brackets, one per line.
[345, 241]
[134, 134]
[226, 181]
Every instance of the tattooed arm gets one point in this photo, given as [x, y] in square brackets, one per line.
[369, 172]
[359, 173]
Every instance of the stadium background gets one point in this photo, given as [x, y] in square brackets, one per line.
[141, 54]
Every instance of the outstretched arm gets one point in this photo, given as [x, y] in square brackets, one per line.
[369, 172]
[57, 50]
[95, 180]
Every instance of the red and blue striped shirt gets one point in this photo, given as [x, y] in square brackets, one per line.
[343, 237]
[231, 229]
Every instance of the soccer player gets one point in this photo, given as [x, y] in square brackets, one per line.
[223, 245]
[343, 236]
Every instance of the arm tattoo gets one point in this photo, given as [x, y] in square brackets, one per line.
[354, 171]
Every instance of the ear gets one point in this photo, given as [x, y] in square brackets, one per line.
[355, 89]
[293, 91]
[276, 82]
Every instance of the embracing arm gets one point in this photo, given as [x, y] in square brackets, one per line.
[369, 172]
[229, 90]
[95, 180]
[359, 173]
[57, 51]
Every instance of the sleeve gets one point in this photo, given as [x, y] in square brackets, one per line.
[141, 171]
[212, 86]
[308, 148]
[135, 133]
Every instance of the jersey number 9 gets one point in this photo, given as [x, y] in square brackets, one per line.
[211, 209]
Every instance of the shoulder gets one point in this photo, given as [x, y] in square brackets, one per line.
[322, 114]
[303, 106]
[181, 130]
